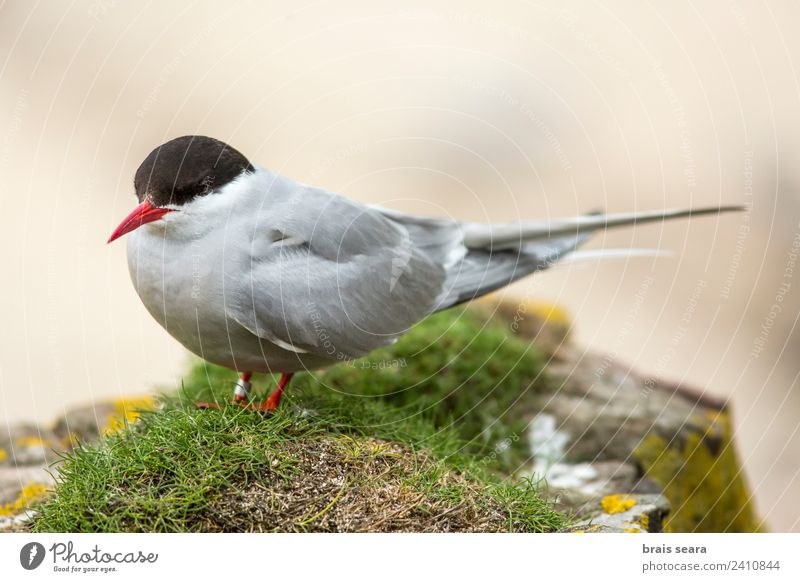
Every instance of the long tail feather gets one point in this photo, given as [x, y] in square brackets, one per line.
[504, 236]
[623, 253]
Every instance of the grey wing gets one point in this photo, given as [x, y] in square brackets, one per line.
[333, 278]
[483, 271]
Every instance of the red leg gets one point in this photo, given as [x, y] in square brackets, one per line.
[242, 392]
[271, 403]
[240, 395]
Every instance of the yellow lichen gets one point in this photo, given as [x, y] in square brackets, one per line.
[578, 531]
[127, 411]
[32, 441]
[644, 519]
[30, 493]
[70, 440]
[3, 454]
[617, 503]
[632, 529]
[702, 478]
[549, 312]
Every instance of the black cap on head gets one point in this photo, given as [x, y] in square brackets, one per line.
[187, 167]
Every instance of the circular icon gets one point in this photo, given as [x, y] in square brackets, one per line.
[31, 555]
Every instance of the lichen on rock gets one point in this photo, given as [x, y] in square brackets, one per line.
[701, 477]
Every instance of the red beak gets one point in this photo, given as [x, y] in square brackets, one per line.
[142, 214]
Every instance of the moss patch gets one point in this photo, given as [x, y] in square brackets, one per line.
[702, 478]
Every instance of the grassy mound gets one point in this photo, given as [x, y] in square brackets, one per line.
[417, 437]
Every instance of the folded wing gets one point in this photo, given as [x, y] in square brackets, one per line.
[330, 276]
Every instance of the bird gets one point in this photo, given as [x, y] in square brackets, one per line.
[256, 272]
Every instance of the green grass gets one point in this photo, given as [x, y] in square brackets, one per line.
[449, 394]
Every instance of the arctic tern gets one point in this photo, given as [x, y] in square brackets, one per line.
[259, 273]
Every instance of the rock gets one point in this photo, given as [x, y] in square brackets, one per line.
[701, 476]
[29, 454]
[628, 513]
[624, 514]
[20, 487]
[27, 444]
[605, 429]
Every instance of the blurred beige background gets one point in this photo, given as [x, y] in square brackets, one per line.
[474, 110]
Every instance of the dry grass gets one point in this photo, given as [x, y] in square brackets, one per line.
[358, 485]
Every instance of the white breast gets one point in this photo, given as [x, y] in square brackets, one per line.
[181, 281]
